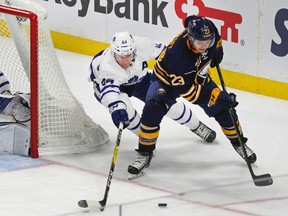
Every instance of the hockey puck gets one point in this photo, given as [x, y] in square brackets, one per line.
[162, 204]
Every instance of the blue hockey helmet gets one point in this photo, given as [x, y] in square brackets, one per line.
[200, 29]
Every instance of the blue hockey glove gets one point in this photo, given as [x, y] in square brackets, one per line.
[119, 114]
[217, 57]
[228, 99]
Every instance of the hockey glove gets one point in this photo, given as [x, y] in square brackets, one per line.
[217, 57]
[119, 114]
[228, 99]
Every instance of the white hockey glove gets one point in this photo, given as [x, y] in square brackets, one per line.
[119, 113]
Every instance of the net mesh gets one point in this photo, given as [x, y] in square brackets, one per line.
[63, 125]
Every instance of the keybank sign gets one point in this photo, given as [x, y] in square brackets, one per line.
[155, 12]
[128, 9]
[281, 49]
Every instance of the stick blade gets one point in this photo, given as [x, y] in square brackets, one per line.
[90, 204]
[263, 180]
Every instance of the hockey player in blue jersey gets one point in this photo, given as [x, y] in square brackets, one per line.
[121, 71]
[182, 71]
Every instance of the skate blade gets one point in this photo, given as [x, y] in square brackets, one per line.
[133, 176]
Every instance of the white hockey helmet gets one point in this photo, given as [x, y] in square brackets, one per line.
[123, 43]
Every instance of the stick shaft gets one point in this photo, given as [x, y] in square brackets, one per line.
[262, 180]
[112, 167]
[232, 115]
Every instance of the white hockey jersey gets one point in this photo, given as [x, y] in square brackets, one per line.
[108, 75]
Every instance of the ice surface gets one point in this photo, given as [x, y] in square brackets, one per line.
[192, 177]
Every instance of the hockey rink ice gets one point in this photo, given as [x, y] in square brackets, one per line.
[194, 178]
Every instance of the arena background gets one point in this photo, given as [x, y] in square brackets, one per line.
[254, 32]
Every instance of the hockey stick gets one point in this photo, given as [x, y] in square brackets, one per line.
[102, 203]
[261, 180]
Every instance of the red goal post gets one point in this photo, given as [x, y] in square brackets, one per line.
[59, 123]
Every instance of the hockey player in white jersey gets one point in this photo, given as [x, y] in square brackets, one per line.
[14, 120]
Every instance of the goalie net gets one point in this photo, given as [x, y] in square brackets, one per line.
[59, 123]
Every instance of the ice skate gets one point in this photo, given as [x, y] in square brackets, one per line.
[251, 155]
[137, 168]
[205, 132]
